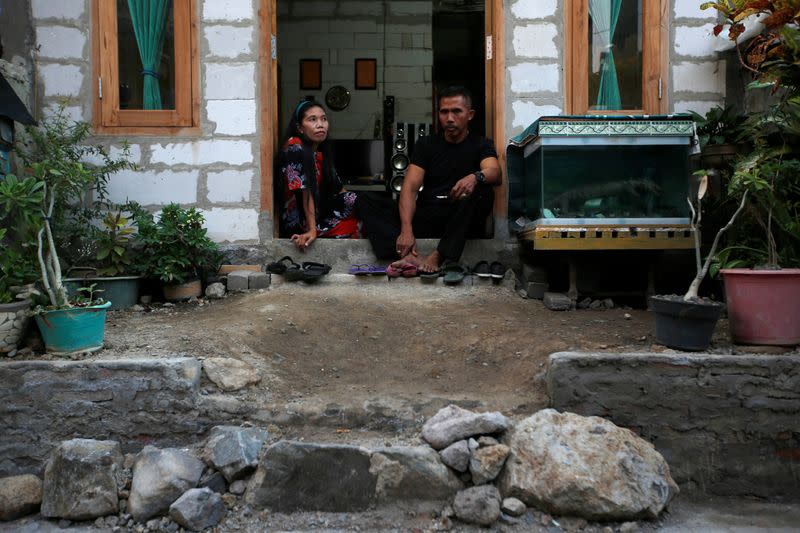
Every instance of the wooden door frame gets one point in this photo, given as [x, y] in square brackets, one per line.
[268, 99]
[654, 67]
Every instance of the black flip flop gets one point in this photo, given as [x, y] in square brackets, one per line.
[312, 272]
[497, 270]
[429, 277]
[280, 266]
[481, 269]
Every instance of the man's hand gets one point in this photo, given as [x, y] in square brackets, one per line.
[406, 244]
[304, 240]
[463, 187]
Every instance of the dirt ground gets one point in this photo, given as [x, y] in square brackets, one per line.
[399, 345]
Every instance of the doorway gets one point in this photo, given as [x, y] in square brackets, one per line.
[416, 46]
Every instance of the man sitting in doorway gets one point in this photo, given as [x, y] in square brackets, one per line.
[457, 171]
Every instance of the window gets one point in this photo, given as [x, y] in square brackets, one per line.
[615, 56]
[146, 65]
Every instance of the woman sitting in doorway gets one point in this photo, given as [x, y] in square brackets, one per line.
[314, 203]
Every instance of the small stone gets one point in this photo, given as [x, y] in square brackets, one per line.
[556, 301]
[215, 291]
[478, 505]
[596, 304]
[626, 316]
[238, 487]
[168, 305]
[456, 456]
[473, 444]
[137, 308]
[513, 507]
[608, 303]
[585, 303]
[259, 280]
[629, 527]
[487, 441]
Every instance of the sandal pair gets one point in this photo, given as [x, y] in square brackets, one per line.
[484, 269]
[308, 272]
[367, 270]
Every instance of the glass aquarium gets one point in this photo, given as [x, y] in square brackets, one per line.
[600, 170]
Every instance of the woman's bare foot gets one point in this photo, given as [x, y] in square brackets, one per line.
[409, 259]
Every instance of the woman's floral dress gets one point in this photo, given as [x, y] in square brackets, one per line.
[335, 215]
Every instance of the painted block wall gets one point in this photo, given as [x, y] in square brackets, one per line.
[397, 34]
[535, 55]
[217, 170]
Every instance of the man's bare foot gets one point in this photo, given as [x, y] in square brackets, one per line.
[430, 263]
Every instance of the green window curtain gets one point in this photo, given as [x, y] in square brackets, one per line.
[149, 25]
[605, 14]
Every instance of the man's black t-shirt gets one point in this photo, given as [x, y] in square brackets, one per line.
[445, 163]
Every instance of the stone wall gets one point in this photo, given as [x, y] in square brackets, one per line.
[135, 402]
[727, 425]
[398, 33]
[217, 170]
[535, 56]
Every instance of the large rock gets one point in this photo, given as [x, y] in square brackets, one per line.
[234, 450]
[453, 423]
[197, 509]
[19, 496]
[80, 479]
[296, 475]
[230, 374]
[486, 463]
[159, 478]
[478, 505]
[417, 472]
[585, 466]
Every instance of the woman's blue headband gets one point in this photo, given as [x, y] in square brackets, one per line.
[299, 107]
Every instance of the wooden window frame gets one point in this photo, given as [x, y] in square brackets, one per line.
[655, 59]
[108, 118]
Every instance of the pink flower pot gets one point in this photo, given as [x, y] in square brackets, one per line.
[763, 305]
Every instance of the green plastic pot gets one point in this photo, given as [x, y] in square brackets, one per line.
[77, 329]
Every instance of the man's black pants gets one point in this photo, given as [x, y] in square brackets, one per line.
[450, 221]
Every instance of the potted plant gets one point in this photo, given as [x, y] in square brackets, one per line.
[718, 132]
[19, 216]
[114, 242]
[55, 157]
[177, 250]
[687, 322]
[764, 301]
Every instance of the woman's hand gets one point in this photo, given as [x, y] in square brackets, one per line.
[406, 244]
[304, 240]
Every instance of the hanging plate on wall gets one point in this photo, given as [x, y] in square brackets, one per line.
[337, 98]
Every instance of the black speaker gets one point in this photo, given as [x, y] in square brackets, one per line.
[400, 159]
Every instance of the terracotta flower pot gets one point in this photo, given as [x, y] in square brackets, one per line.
[183, 291]
[763, 305]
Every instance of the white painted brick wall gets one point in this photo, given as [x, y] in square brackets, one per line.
[691, 9]
[229, 41]
[230, 81]
[535, 77]
[61, 80]
[229, 10]
[73, 113]
[526, 112]
[363, 9]
[534, 9]
[230, 225]
[115, 152]
[232, 117]
[230, 185]
[706, 77]
[60, 42]
[695, 41]
[536, 40]
[203, 152]
[154, 187]
[61, 9]
[313, 8]
[698, 106]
